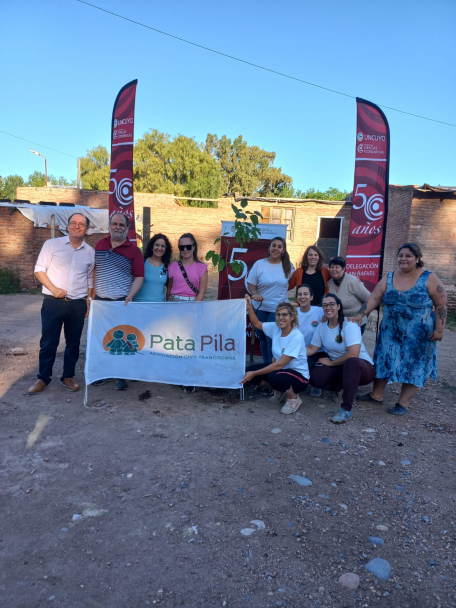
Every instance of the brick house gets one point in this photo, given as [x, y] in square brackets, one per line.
[425, 215]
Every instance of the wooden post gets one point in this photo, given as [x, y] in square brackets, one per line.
[52, 226]
[146, 226]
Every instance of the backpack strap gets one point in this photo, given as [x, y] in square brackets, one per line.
[187, 280]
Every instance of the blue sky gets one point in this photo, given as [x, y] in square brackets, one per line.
[63, 63]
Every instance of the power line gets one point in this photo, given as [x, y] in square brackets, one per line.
[260, 67]
[40, 145]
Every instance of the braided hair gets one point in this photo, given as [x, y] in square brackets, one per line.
[340, 314]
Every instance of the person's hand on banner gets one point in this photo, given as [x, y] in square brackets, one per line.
[247, 377]
[128, 299]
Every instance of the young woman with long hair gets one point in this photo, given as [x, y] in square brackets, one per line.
[187, 277]
[348, 364]
[268, 284]
[287, 373]
[157, 257]
[309, 317]
[312, 273]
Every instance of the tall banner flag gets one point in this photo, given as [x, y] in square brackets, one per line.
[122, 140]
[366, 240]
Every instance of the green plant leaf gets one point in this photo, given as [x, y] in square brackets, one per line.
[217, 240]
[254, 219]
[221, 265]
[244, 202]
[209, 254]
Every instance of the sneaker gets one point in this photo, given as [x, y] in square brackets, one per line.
[121, 385]
[277, 397]
[341, 416]
[103, 381]
[315, 392]
[292, 405]
[189, 389]
[70, 384]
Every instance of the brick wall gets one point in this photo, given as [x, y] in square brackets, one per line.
[399, 209]
[21, 244]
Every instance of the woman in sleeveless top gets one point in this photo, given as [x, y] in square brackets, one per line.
[406, 349]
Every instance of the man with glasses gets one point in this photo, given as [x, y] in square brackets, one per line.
[119, 272]
[65, 270]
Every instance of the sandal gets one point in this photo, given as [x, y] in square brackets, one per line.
[368, 397]
[398, 410]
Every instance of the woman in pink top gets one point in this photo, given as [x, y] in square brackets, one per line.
[188, 276]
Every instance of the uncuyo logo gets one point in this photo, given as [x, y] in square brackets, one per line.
[115, 123]
[123, 190]
[360, 136]
[123, 340]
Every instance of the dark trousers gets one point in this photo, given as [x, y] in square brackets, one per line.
[353, 373]
[56, 312]
[314, 359]
[280, 380]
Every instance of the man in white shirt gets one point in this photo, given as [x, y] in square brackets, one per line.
[65, 270]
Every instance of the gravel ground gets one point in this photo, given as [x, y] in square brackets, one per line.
[162, 484]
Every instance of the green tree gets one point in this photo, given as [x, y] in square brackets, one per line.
[38, 180]
[95, 169]
[247, 170]
[331, 194]
[8, 186]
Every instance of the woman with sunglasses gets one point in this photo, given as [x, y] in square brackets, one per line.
[268, 284]
[288, 373]
[348, 364]
[187, 277]
[157, 257]
[349, 289]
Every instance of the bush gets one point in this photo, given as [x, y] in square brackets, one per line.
[9, 280]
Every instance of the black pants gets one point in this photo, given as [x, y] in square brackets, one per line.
[314, 359]
[56, 312]
[280, 380]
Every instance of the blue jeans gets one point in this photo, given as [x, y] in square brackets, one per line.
[265, 343]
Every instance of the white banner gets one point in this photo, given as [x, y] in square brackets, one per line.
[187, 343]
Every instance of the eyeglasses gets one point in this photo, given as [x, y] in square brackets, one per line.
[185, 247]
[329, 305]
[75, 225]
[282, 314]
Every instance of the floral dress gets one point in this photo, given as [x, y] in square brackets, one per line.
[403, 352]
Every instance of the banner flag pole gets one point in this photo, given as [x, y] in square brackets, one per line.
[122, 139]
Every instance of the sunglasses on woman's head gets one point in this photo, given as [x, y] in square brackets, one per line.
[185, 247]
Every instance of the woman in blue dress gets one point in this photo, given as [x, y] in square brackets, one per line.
[406, 349]
[157, 257]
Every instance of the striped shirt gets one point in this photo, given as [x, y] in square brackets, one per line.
[116, 268]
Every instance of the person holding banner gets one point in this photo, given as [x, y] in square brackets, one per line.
[309, 318]
[187, 277]
[157, 257]
[268, 284]
[312, 273]
[349, 289]
[348, 364]
[288, 373]
[406, 348]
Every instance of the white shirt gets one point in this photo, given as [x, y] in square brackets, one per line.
[309, 321]
[66, 267]
[329, 339]
[271, 283]
[292, 346]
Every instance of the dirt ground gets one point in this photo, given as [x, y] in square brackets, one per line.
[163, 486]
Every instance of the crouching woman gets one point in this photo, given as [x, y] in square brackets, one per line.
[288, 374]
[347, 365]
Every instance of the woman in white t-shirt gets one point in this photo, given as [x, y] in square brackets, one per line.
[309, 318]
[348, 365]
[268, 284]
[288, 373]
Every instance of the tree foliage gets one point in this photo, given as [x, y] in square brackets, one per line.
[95, 169]
[331, 194]
[37, 179]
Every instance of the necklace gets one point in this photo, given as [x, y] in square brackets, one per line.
[404, 282]
[151, 262]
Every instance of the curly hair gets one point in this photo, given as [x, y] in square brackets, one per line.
[286, 263]
[292, 310]
[321, 258]
[416, 250]
[149, 250]
[340, 315]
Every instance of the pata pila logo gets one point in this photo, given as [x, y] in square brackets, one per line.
[123, 340]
